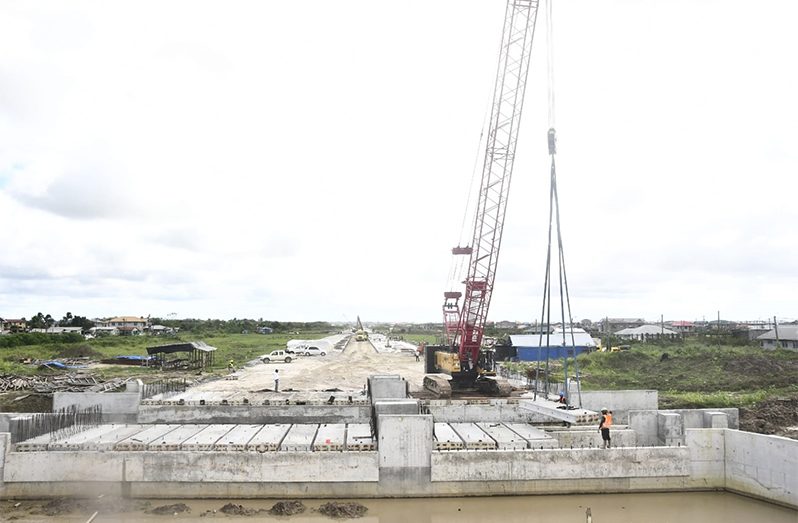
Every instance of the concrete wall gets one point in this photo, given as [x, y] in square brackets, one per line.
[620, 437]
[751, 464]
[502, 465]
[762, 466]
[254, 414]
[291, 467]
[662, 427]
[495, 411]
[405, 447]
[116, 406]
[620, 402]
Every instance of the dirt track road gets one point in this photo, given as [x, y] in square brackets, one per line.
[346, 370]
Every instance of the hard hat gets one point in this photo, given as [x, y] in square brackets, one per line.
[604, 409]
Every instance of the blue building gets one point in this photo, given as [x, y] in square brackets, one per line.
[532, 347]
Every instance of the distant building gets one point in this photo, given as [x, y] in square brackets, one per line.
[13, 325]
[265, 330]
[59, 330]
[646, 332]
[616, 324]
[531, 347]
[684, 327]
[787, 338]
[125, 321]
[505, 325]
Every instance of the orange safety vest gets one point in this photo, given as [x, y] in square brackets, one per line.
[607, 421]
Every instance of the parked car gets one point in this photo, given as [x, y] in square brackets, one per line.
[276, 356]
[313, 351]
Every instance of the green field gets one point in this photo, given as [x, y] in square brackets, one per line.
[238, 347]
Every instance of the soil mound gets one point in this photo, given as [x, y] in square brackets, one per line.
[168, 510]
[774, 416]
[287, 508]
[343, 510]
[77, 351]
[59, 506]
[231, 509]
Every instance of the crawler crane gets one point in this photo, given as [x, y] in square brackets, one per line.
[463, 363]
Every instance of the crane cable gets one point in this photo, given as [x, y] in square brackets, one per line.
[565, 299]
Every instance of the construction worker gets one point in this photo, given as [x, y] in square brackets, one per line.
[231, 366]
[604, 427]
[276, 380]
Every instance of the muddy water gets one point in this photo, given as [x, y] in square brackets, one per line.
[696, 507]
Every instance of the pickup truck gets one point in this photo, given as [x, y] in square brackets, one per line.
[276, 356]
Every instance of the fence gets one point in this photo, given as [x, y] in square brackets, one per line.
[64, 422]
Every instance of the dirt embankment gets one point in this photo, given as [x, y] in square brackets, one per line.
[777, 416]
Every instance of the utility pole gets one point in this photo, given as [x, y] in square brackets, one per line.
[776, 328]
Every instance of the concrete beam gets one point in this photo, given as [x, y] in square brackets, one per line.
[269, 438]
[446, 438]
[359, 437]
[549, 409]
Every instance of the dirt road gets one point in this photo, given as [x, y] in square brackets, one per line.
[346, 370]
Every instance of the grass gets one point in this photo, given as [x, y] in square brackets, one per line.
[238, 347]
[690, 374]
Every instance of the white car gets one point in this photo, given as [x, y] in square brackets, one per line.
[275, 356]
[312, 351]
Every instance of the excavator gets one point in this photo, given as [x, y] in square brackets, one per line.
[463, 362]
[360, 332]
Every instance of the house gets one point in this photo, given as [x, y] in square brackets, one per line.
[646, 332]
[104, 331]
[265, 330]
[505, 325]
[783, 336]
[614, 324]
[13, 325]
[59, 330]
[161, 330]
[682, 326]
[125, 321]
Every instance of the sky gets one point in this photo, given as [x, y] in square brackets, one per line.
[303, 161]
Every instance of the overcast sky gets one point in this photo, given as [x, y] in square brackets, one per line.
[311, 160]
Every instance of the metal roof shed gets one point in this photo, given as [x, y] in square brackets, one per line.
[200, 354]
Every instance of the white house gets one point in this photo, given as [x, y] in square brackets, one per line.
[645, 331]
[787, 338]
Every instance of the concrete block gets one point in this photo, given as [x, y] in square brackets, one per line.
[330, 438]
[473, 437]
[396, 407]
[505, 438]
[535, 438]
[5, 448]
[549, 409]
[644, 423]
[716, 420]
[359, 437]
[206, 439]
[387, 386]
[299, 438]
[405, 441]
[670, 428]
[620, 402]
[591, 438]
[237, 439]
[446, 438]
[269, 438]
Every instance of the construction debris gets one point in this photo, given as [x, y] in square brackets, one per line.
[60, 383]
[287, 508]
[168, 510]
[343, 510]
